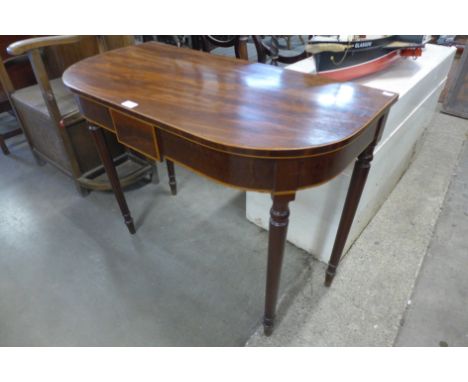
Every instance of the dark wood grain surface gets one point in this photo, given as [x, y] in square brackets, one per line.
[236, 106]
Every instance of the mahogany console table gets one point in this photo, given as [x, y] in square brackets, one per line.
[251, 126]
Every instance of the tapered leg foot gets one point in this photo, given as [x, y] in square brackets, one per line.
[268, 325]
[279, 219]
[172, 178]
[130, 225]
[329, 275]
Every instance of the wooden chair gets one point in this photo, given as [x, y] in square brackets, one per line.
[48, 114]
[20, 74]
[267, 51]
[270, 52]
[208, 43]
[288, 39]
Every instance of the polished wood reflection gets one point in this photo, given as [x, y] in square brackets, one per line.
[229, 104]
[251, 126]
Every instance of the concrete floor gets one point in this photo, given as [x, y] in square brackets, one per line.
[70, 274]
[438, 313]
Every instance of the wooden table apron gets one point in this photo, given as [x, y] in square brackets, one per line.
[230, 121]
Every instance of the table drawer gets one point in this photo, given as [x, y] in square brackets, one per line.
[136, 134]
[96, 113]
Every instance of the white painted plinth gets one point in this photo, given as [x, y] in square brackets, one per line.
[315, 213]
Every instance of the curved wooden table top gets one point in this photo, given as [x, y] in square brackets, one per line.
[229, 104]
[251, 126]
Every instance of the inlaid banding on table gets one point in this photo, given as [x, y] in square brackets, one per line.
[136, 134]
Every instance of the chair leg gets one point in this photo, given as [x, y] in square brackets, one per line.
[4, 146]
[81, 190]
[154, 175]
[5, 136]
[172, 178]
[38, 159]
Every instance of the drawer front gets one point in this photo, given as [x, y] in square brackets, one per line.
[136, 134]
[96, 113]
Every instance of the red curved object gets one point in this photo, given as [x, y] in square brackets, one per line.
[411, 52]
[363, 69]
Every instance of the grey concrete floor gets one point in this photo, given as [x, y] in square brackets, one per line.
[438, 313]
[71, 274]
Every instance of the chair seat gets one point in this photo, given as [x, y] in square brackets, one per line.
[31, 97]
[47, 137]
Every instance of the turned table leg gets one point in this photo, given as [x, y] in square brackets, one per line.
[358, 180]
[172, 178]
[279, 218]
[108, 163]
